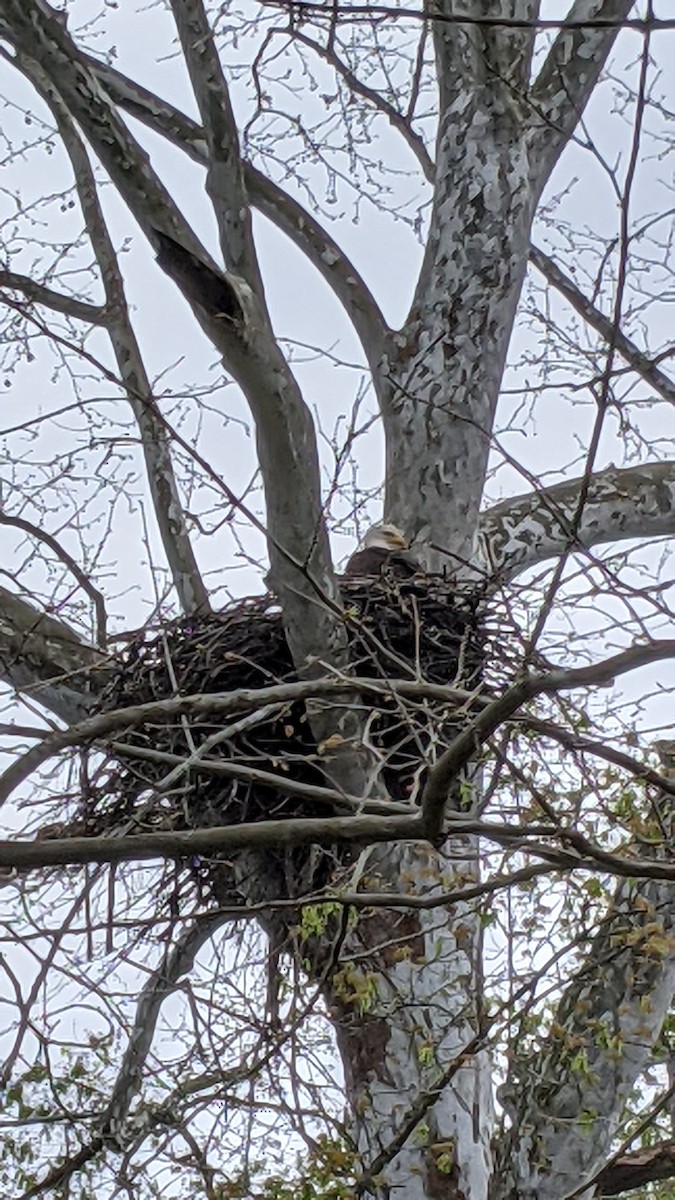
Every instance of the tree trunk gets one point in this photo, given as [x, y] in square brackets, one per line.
[406, 1007]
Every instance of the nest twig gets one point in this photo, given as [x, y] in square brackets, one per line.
[395, 628]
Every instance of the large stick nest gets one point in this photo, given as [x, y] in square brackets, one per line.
[421, 628]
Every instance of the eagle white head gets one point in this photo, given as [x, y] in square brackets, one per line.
[385, 537]
[384, 549]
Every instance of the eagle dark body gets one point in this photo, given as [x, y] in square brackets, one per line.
[378, 561]
[383, 551]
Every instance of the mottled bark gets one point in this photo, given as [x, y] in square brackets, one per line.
[565, 1100]
[406, 1007]
[440, 388]
[225, 182]
[567, 78]
[525, 530]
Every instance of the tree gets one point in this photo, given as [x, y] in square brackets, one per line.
[388, 927]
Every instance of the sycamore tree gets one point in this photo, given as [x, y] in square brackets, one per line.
[477, 197]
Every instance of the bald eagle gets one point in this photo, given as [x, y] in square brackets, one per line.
[384, 550]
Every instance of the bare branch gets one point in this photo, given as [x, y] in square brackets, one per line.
[151, 110]
[604, 325]
[402, 977]
[236, 320]
[154, 436]
[155, 439]
[197, 764]
[240, 700]
[367, 10]
[263, 835]
[224, 175]
[575, 854]
[38, 293]
[44, 658]
[475, 734]
[572, 740]
[638, 1169]
[630, 959]
[176, 962]
[271, 200]
[38, 37]
[495, 712]
[395, 118]
[268, 197]
[570, 72]
[635, 502]
[74, 567]
[324, 253]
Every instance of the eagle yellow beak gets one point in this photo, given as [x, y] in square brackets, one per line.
[396, 541]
